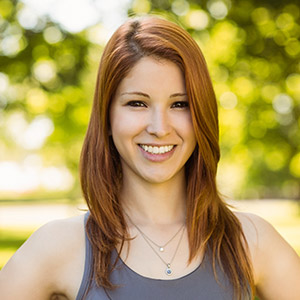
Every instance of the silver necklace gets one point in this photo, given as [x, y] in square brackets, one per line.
[161, 248]
[168, 270]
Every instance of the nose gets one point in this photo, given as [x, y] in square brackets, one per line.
[159, 123]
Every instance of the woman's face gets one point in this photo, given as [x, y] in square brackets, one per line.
[151, 123]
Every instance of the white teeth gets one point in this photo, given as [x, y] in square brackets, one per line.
[156, 149]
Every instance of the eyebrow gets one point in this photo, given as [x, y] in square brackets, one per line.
[178, 95]
[147, 96]
[136, 93]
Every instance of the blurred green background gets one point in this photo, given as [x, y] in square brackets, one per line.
[49, 55]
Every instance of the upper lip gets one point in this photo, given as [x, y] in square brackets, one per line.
[157, 145]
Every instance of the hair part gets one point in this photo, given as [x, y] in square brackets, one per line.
[210, 223]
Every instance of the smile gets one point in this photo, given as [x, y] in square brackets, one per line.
[156, 149]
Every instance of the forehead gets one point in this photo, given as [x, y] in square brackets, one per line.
[150, 74]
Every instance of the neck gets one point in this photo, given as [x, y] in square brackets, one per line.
[154, 203]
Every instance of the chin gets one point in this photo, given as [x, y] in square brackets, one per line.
[159, 178]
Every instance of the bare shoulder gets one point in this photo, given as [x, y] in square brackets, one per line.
[66, 232]
[254, 227]
[54, 237]
[276, 265]
[39, 266]
[259, 233]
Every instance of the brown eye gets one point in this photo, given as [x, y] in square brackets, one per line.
[136, 103]
[180, 104]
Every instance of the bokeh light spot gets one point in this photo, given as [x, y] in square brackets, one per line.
[260, 16]
[11, 45]
[292, 47]
[37, 132]
[15, 125]
[37, 101]
[243, 87]
[197, 19]
[98, 34]
[44, 70]
[180, 7]
[27, 18]
[217, 9]
[52, 35]
[283, 103]
[285, 21]
[228, 100]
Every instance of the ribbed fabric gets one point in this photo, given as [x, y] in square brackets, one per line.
[199, 284]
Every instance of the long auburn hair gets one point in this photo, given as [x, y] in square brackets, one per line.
[210, 223]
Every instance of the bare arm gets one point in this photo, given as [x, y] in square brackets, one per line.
[276, 265]
[37, 271]
[279, 272]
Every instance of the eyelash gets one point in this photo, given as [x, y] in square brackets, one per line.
[180, 104]
[136, 103]
[177, 104]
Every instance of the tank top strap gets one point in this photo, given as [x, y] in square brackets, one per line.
[88, 263]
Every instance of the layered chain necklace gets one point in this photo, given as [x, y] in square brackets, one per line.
[161, 248]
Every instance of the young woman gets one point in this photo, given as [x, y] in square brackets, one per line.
[156, 226]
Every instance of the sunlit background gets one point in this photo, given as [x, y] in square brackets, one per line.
[49, 54]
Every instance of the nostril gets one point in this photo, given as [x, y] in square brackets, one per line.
[159, 126]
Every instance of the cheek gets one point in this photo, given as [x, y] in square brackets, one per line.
[125, 126]
[190, 126]
[185, 126]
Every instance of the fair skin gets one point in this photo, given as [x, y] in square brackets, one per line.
[155, 114]
[51, 262]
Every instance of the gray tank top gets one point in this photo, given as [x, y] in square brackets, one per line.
[199, 284]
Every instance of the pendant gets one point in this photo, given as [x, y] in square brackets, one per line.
[168, 270]
[161, 249]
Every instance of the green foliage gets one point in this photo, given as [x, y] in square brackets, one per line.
[42, 70]
[252, 49]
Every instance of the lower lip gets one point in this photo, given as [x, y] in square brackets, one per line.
[160, 157]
